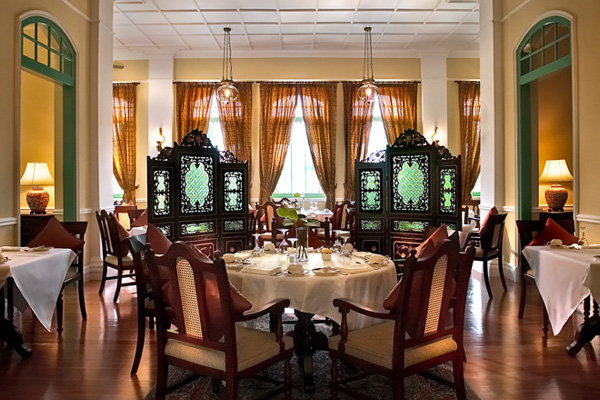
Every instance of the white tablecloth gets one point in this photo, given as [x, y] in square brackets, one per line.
[39, 276]
[320, 215]
[138, 230]
[565, 277]
[314, 294]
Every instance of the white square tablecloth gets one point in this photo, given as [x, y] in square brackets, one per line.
[39, 276]
[315, 294]
[564, 277]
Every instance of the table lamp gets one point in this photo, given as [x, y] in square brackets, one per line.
[37, 175]
[556, 195]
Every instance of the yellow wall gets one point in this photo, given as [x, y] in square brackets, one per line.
[586, 81]
[37, 128]
[554, 122]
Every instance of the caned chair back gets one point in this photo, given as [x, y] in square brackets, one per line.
[264, 216]
[430, 287]
[102, 219]
[122, 214]
[492, 233]
[197, 289]
[341, 215]
[116, 248]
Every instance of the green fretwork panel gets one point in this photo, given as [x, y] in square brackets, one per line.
[409, 226]
[410, 183]
[370, 224]
[448, 190]
[197, 228]
[233, 188]
[370, 190]
[233, 225]
[197, 184]
[166, 230]
[162, 195]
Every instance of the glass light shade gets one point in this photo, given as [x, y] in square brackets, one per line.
[37, 175]
[556, 171]
[227, 92]
[368, 91]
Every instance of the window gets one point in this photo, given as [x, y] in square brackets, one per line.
[377, 138]
[215, 133]
[298, 175]
[117, 191]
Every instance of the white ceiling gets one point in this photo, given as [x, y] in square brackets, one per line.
[294, 28]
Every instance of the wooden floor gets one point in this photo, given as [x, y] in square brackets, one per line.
[507, 358]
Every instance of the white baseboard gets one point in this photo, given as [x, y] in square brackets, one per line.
[94, 270]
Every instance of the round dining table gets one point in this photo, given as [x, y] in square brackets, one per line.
[313, 293]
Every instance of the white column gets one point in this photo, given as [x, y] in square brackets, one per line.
[160, 101]
[434, 96]
[492, 108]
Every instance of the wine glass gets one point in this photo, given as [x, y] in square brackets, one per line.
[293, 241]
[284, 244]
[583, 242]
[337, 245]
[256, 250]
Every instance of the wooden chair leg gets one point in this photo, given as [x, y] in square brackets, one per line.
[459, 380]
[523, 296]
[333, 382]
[80, 286]
[487, 279]
[398, 384]
[545, 327]
[139, 348]
[287, 372]
[151, 323]
[118, 288]
[231, 389]
[59, 313]
[501, 270]
[104, 273]
[162, 373]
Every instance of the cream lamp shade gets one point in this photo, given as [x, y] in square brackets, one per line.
[37, 175]
[556, 171]
[556, 195]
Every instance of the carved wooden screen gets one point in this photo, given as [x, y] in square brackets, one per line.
[197, 194]
[418, 184]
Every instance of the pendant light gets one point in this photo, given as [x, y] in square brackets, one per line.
[227, 92]
[368, 91]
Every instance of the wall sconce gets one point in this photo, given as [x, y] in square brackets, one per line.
[433, 140]
[159, 143]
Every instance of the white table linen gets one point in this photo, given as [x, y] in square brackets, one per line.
[320, 215]
[39, 277]
[138, 230]
[564, 277]
[314, 294]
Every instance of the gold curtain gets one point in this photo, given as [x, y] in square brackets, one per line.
[318, 107]
[358, 116]
[278, 104]
[124, 156]
[193, 103]
[236, 123]
[470, 135]
[398, 104]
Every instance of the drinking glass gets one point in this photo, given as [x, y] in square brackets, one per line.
[583, 240]
[256, 250]
[283, 245]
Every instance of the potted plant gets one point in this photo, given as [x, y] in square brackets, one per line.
[291, 218]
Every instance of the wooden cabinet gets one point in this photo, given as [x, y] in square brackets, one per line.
[32, 225]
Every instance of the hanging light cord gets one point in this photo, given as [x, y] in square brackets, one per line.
[368, 56]
[227, 64]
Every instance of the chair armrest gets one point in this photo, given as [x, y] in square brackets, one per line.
[279, 304]
[346, 305]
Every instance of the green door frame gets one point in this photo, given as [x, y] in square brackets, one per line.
[60, 67]
[525, 76]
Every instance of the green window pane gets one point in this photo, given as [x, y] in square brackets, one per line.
[536, 40]
[526, 65]
[67, 67]
[28, 48]
[42, 33]
[549, 30]
[536, 61]
[526, 50]
[65, 50]
[561, 30]
[549, 55]
[562, 48]
[54, 61]
[42, 55]
[29, 30]
[54, 40]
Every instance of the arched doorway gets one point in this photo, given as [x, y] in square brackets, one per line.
[47, 106]
[545, 120]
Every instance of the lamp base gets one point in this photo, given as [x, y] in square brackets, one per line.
[37, 200]
[556, 197]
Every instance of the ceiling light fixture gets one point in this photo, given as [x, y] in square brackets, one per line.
[227, 92]
[368, 91]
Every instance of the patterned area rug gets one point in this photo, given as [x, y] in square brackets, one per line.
[417, 387]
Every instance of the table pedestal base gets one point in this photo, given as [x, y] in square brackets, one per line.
[587, 331]
[8, 331]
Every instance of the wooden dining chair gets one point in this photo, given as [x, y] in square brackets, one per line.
[265, 215]
[122, 214]
[423, 327]
[114, 253]
[134, 214]
[490, 238]
[209, 340]
[528, 230]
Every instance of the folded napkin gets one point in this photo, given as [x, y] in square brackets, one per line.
[354, 269]
[13, 248]
[362, 254]
[239, 256]
[262, 269]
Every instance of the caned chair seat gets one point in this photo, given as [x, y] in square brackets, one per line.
[253, 347]
[113, 260]
[375, 344]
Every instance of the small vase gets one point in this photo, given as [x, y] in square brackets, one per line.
[302, 235]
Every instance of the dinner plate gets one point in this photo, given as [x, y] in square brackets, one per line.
[304, 273]
[235, 266]
[325, 271]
